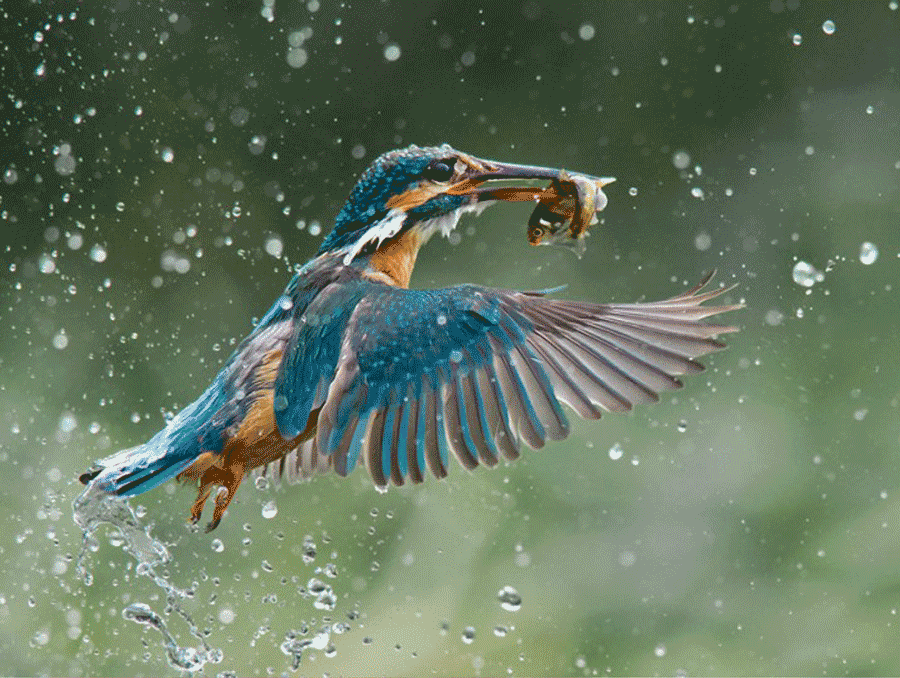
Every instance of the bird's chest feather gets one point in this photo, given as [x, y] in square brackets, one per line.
[396, 258]
[251, 438]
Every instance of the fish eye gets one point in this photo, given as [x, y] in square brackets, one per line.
[439, 170]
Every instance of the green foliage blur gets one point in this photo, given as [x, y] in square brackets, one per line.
[164, 167]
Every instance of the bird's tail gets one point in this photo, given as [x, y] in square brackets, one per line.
[142, 468]
[168, 453]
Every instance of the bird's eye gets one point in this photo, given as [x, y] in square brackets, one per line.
[439, 170]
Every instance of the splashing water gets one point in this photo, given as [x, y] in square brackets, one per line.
[295, 644]
[91, 509]
[184, 658]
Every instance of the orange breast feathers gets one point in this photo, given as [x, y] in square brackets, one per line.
[256, 442]
[396, 257]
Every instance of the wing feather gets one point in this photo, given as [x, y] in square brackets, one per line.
[475, 372]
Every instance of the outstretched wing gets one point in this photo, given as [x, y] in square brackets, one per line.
[475, 372]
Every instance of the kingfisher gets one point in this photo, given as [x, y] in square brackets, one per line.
[351, 366]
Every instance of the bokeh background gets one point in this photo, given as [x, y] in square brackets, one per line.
[163, 167]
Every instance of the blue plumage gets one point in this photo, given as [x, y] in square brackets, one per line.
[389, 175]
[349, 366]
[311, 353]
[169, 452]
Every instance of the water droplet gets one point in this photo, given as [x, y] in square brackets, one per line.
[697, 192]
[309, 550]
[702, 241]
[509, 599]
[217, 545]
[870, 109]
[587, 32]
[269, 510]
[615, 452]
[468, 635]
[98, 254]
[681, 160]
[682, 426]
[774, 317]
[274, 246]
[325, 600]
[46, 264]
[257, 144]
[60, 340]
[828, 27]
[632, 191]
[660, 650]
[868, 253]
[806, 275]
[797, 39]
[392, 51]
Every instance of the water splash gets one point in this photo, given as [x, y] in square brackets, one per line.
[325, 598]
[94, 507]
[295, 643]
[184, 658]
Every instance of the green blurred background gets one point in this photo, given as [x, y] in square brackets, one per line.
[166, 164]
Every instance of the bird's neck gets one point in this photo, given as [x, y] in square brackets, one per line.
[394, 260]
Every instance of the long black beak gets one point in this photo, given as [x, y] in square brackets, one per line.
[501, 170]
[479, 182]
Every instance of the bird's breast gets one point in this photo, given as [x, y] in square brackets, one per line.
[393, 262]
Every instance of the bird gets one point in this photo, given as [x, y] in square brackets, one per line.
[352, 367]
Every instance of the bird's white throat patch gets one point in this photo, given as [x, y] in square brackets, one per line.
[445, 223]
[381, 231]
[390, 226]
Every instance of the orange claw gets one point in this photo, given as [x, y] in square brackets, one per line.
[228, 478]
[234, 475]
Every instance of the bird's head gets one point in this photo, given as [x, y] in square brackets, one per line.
[422, 191]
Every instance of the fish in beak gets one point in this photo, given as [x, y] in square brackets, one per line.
[564, 209]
